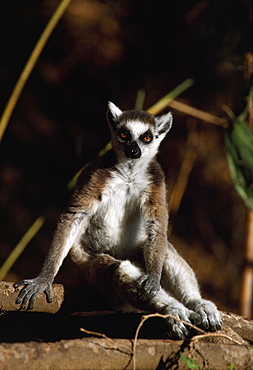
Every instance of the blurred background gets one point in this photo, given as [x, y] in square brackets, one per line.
[110, 50]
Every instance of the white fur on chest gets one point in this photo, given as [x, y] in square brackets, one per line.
[122, 207]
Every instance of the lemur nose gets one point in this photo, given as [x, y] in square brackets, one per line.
[133, 151]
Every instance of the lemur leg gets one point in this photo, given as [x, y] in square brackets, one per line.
[118, 281]
[179, 280]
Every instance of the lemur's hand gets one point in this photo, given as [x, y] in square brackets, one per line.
[148, 287]
[32, 288]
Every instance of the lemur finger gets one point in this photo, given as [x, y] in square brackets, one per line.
[204, 319]
[22, 282]
[49, 293]
[195, 317]
[178, 329]
[25, 304]
[215, 322]
[181, 330]
[23, 292]
[31, 301]
[17, 285]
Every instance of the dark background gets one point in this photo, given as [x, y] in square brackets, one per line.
[108, 50]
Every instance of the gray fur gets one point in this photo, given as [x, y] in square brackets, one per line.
[115, 228]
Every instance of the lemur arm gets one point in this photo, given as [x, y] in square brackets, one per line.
[156, 247]
[80, 207]
[65, 236]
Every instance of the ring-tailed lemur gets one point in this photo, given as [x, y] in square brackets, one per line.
[115, 228]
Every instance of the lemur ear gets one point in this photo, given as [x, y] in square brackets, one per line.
[164, 123]
[112, 114]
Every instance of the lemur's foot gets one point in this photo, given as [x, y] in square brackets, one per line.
[179, 311]
[209, 317]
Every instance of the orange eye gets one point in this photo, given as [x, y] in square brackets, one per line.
[147, 139]
[123, 135]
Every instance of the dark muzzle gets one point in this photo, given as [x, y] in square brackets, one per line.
[133, 151]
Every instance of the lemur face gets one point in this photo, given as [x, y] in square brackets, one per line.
[134, 137]
[136, 134]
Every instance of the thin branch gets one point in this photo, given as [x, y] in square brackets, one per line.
[97, 334]
[123, 349]
[146, 317]
[195, 338]
[219, 335]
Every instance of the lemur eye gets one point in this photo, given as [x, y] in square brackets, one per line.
[123, 135]
[147, 139]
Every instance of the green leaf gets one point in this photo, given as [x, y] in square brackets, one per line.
[189, 362]
[239, 152]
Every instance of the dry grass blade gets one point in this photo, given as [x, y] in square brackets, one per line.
[159, 106]
[7, 114]
[28, 236]
[184, 173]
[10, 106]
[197, 113]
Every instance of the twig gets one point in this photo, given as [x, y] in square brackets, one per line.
[219, 335]
[96, 334]
[124, 349]
[146, 317]
[195, 338]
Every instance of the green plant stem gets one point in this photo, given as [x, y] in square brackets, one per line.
[33, 230]
[163, 103]
[141, 94]
[12, 102]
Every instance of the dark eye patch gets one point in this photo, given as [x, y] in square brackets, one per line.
[124, 135]
[147, 137]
